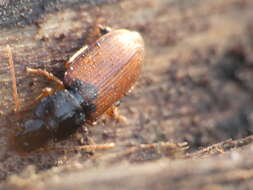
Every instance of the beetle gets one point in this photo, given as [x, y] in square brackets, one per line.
[96, 77]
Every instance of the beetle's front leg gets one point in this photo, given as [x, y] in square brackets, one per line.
[48, 75]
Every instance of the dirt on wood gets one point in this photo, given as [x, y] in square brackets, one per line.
[190, 116]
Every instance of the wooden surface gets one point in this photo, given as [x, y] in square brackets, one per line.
[195, 91]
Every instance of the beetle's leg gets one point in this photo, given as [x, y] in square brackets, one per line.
[14, 81]
[48, 75]
[77, 54]
[114, 113]
[45, 92]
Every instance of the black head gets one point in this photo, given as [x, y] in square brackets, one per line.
[56, 118]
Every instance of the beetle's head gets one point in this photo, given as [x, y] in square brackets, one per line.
[56, 117]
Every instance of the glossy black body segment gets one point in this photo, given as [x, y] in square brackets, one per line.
[56, 117]
[86, 93]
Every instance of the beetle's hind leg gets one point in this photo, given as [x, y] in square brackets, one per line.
[114, 114]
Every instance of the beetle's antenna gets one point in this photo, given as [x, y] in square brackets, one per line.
[13, 78]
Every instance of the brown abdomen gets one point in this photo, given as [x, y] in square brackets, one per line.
[111, 65]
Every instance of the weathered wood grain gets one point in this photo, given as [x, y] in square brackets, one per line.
[196, 88]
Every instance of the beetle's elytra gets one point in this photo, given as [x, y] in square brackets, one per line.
[96, 78]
